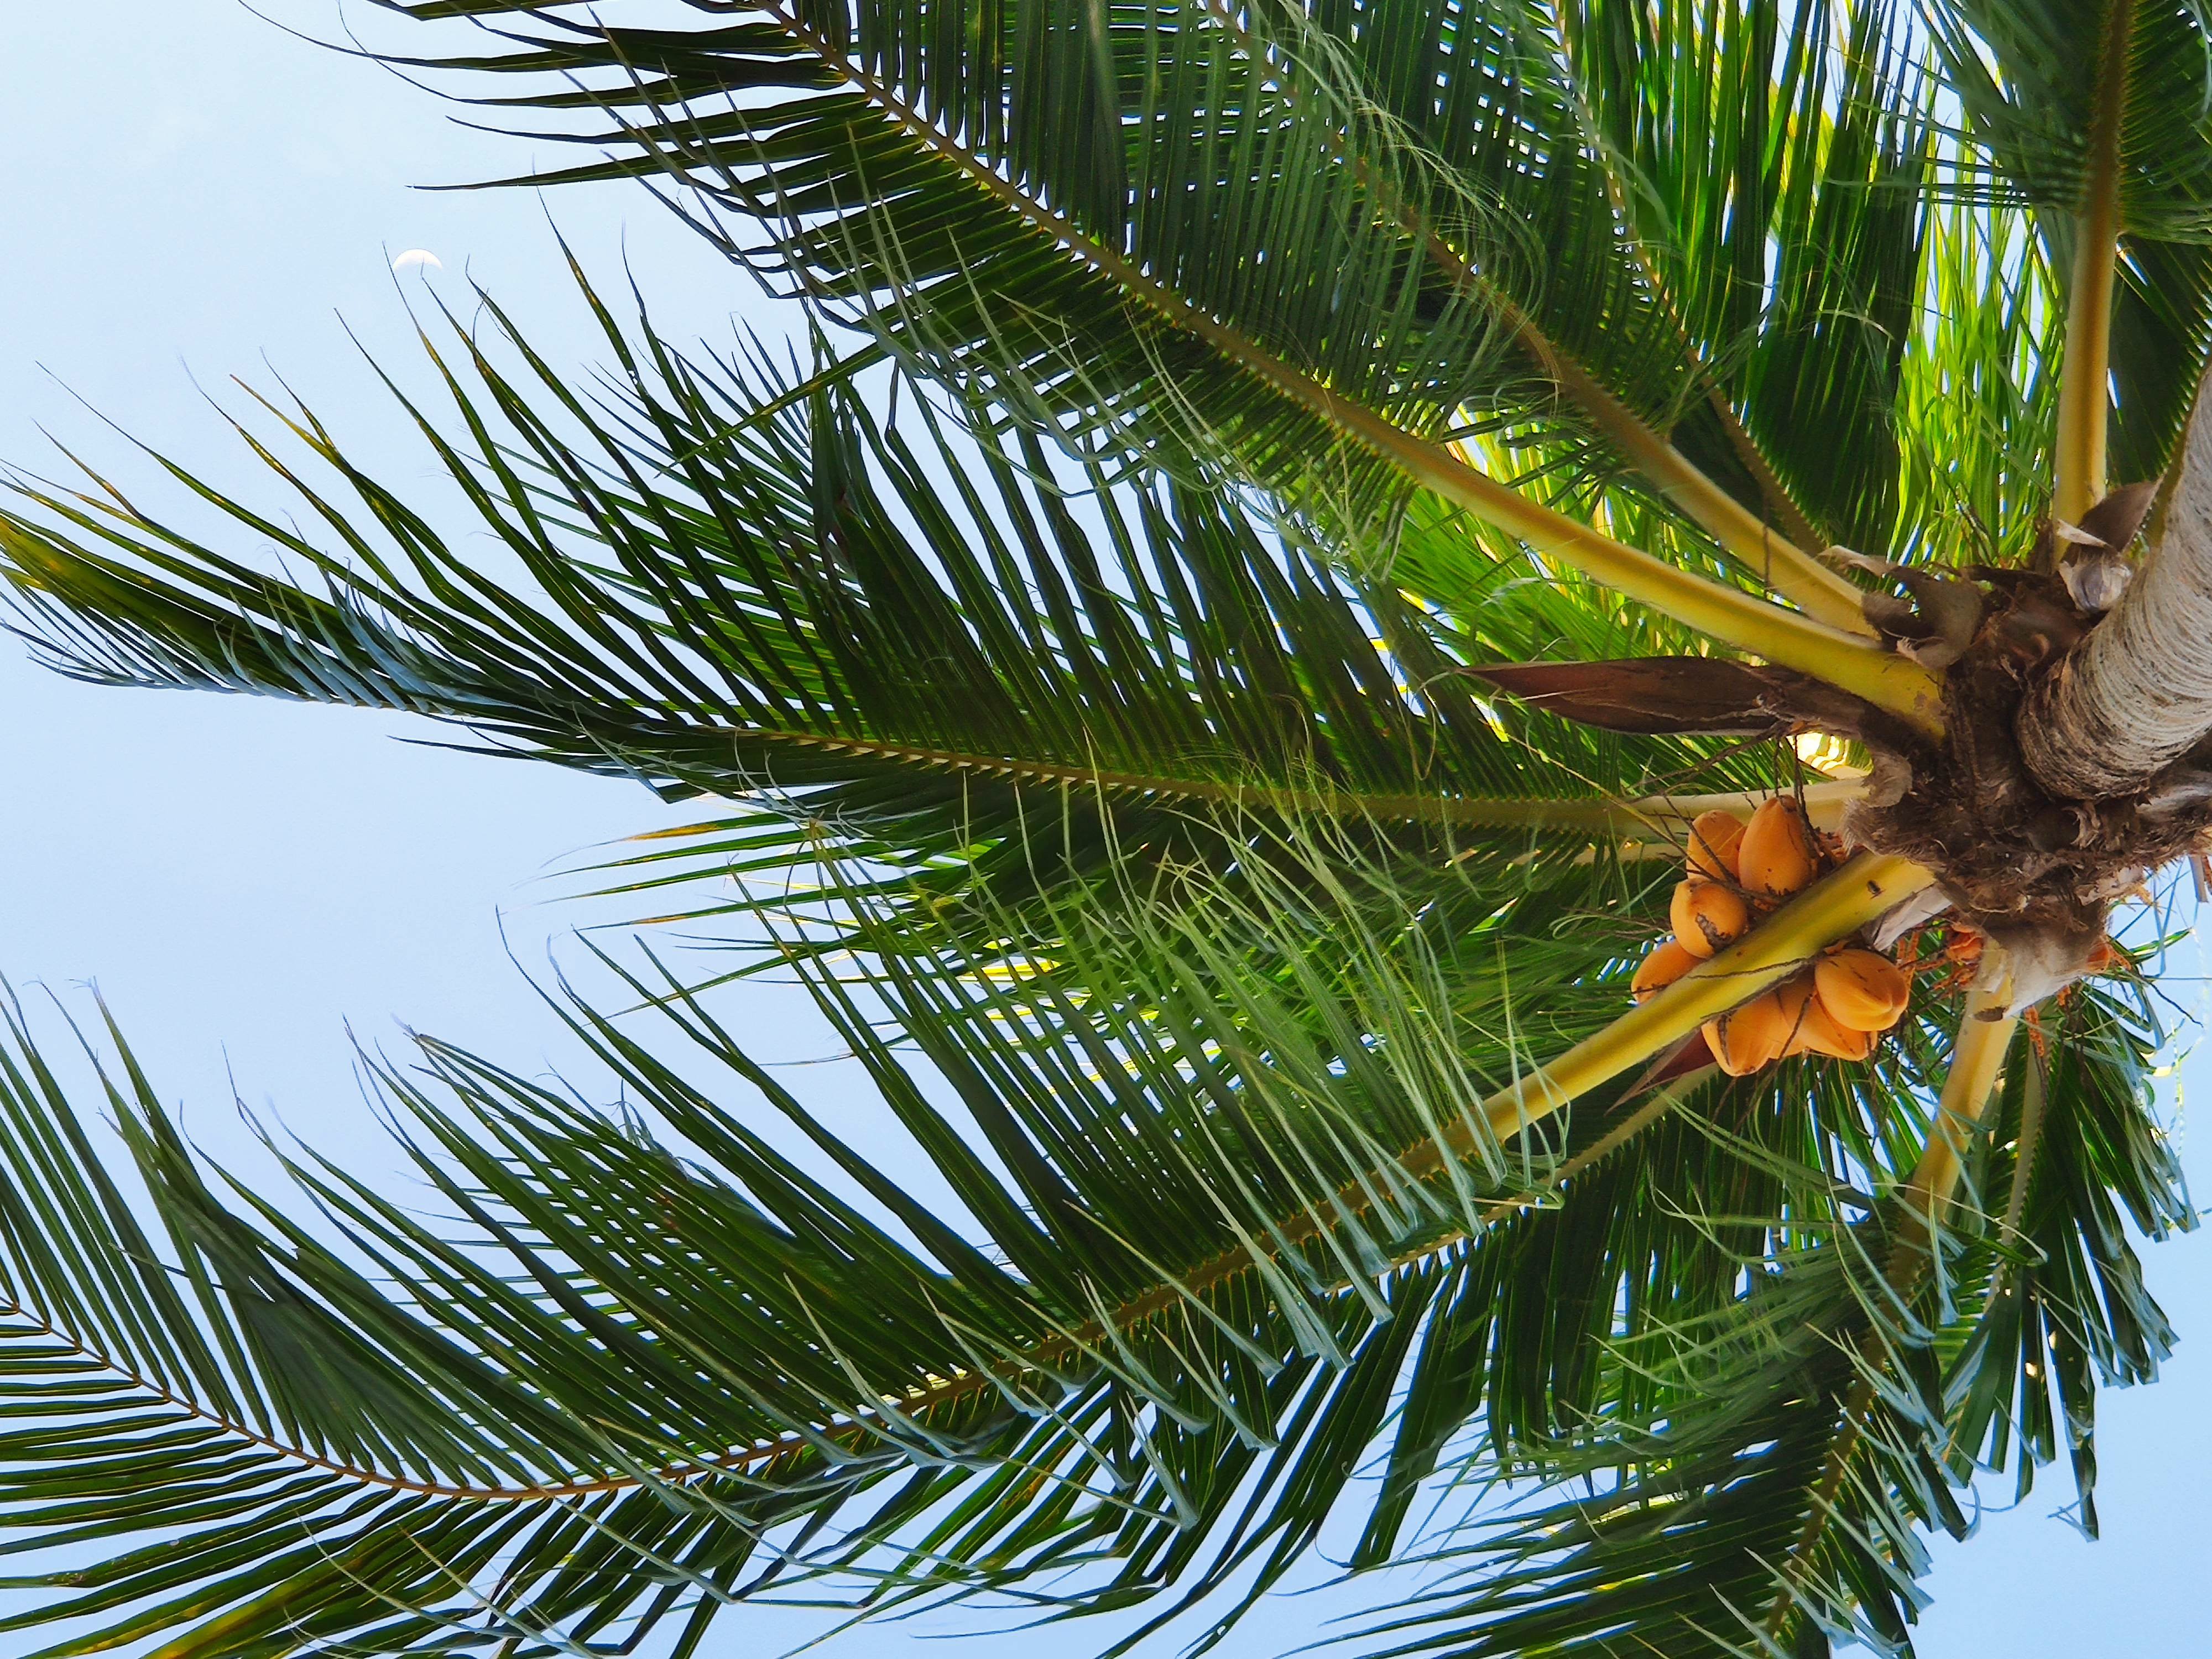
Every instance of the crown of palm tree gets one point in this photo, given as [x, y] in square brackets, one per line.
[1207, 675]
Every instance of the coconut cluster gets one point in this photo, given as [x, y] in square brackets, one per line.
[1738, 871]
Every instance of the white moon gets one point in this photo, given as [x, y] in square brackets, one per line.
[417, 256]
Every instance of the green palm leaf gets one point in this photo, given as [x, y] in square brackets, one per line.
[1382, 237]
[625, 1356]
[1789, 1452]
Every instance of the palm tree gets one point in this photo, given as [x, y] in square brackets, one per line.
[1295, 513]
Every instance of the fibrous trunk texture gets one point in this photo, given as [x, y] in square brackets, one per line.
[2137, 694]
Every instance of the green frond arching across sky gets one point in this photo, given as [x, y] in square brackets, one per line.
[1072, 662]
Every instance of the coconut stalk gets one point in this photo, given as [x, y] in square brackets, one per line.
[1864, 891]
[2135, 695]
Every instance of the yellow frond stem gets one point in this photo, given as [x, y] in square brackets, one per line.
[1668, 815]
[1977, 1057]
[2085, 378]
[1824, 804]
[1785, 566]
[1729, 615]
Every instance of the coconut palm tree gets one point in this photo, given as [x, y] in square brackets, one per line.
[1298, 518]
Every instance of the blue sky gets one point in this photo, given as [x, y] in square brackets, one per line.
[192, 194]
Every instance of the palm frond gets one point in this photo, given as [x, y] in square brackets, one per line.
[1153, 314]
[1673, 1545]
[480, 1449]
[703, 1361]
[609, 1407]
[2073, 1150]
[1773, 170]
[1188, 1279]
[734, 591]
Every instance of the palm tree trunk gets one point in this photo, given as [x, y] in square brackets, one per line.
[2137, 694]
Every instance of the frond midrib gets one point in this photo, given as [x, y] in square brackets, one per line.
[1735, 972]
[1597, 815]
[1725, 613]
[1821, 592]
